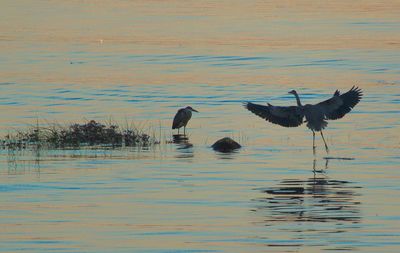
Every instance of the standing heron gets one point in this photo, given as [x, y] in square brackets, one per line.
[316, 115]
[182, 117]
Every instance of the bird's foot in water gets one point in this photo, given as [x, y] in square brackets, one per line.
[313, 149]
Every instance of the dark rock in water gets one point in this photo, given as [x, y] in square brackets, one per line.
[225, 145]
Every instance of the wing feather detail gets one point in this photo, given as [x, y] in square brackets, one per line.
[287, 116]
[340, 104]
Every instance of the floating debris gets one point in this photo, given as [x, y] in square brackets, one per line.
[226, 145]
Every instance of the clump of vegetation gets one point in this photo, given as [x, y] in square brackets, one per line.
[91, 133]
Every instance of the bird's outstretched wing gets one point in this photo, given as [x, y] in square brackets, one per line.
[340, 104]
[287, 116]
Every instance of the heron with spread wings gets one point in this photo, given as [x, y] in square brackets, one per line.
[315, 115]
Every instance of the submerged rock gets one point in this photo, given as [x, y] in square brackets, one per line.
[225, 145]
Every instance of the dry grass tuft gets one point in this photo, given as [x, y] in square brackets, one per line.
[76, 135]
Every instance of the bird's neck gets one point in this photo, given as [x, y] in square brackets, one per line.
[297, 99]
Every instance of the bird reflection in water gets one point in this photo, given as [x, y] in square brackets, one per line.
[183, 146]
[307, 209]
[314, 199]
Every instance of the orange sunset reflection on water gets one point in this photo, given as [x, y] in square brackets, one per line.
[139, 62]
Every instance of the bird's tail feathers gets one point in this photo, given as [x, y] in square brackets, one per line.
[317, 127]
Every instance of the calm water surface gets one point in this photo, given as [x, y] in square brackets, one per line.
[135, 61]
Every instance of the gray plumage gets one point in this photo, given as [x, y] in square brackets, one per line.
[315, 115]
[182, 117]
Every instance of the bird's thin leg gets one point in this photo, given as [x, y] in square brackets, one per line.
[178, 131]
[184, 130]
[313, 141]
[314, 165]
[326, 146]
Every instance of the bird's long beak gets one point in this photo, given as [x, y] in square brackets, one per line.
[194, 110]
